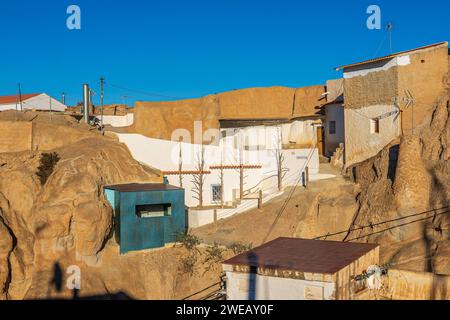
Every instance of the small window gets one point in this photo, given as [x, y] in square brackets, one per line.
[374, 126]
[153, 210]
[216, 192]
[332, 127]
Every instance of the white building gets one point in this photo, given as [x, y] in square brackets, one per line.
[117, 121]
[37, 101]
[256, 147]
[300, 269]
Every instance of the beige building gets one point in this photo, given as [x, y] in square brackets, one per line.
[390, 96]
[299, 269]
[333, 122]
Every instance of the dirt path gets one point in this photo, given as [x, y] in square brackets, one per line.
[325, 206]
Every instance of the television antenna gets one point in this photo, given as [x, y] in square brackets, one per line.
[389, 28]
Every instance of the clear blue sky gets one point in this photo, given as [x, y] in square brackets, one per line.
[191, 48]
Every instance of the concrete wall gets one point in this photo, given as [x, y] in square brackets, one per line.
[409, 285]
[334, 112]
[15, 136]
[335, 89]
[243, 286]
[424, 77]
[360, 143]
[117, 121]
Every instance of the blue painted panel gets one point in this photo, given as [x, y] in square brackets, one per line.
[144, 233]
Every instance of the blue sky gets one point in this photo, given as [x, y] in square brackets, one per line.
[166, 49]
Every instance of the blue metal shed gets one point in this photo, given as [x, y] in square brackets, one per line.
[146, 215]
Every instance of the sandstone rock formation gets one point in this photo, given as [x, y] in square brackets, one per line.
[418, 182]
[160, 119]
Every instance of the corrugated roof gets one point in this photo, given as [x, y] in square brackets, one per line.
[292, 254]
[15, 98]
[136, 187]
[391, 56]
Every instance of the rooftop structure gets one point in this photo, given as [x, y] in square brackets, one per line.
[300, 269]
[34, 101]
[146, 215]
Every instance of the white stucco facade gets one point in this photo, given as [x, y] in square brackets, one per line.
[254, 146]
[246, 286]
[165, 155]
[361, 142]
[117, 121]
[334, 113]
[42, 102]
[378, 66]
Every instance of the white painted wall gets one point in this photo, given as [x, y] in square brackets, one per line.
[360, 143]
[164, 155]
[118, 121]
[41, 102]
[239, 286]
[377, 66]
[334, 112]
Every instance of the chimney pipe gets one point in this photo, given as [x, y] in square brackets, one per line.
[86, 102]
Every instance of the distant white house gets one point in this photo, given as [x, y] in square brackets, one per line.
[36, 101]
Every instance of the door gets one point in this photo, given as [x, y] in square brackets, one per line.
[320, 140]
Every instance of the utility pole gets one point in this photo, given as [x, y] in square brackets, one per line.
[86, 98]
[50, 105]
[389, 27]
[20, 98]
[102, 86]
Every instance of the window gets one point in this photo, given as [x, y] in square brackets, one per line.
[332, 127]
[216, 192]
[374, 126]
[153, 210]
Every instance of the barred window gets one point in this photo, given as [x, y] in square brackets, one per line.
[216, 192]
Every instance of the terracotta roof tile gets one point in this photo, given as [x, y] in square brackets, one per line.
[15, 98]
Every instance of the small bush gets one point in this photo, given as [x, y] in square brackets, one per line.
[187, 240]
[239, 248]
[188, 264]
[214, 255]
[48, 162]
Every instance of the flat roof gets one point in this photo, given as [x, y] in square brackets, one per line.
[137, 187]
[304, 255]
[391, 56]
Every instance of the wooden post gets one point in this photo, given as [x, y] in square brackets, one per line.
[241, 182]
[215, 216]
[306, 177]
[260, 199]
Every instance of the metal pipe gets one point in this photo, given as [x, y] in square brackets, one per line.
[86, 100]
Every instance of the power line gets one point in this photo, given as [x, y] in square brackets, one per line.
[291, 193]
[151, 94]
[379, 223]
[397, 226]
[202, 290]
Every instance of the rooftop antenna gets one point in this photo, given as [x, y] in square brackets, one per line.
[102, 95]
[20, 97]
[389, 28]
